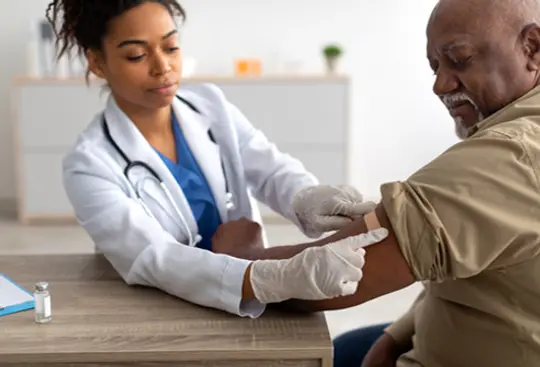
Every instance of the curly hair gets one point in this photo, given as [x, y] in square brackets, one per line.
[83, 24]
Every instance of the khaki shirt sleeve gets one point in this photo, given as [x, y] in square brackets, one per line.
[402, 330]
[468, 210]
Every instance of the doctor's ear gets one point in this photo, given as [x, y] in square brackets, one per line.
[95, 63]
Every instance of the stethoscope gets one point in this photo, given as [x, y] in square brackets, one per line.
[229, 199]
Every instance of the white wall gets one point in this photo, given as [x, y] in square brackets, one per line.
[397, 121]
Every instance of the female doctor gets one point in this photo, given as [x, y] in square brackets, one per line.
[160, 172]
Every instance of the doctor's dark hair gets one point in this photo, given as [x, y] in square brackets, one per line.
[83, 24]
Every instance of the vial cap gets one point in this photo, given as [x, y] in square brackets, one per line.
[42, 286]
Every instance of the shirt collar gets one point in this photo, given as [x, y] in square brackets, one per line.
[526, 105]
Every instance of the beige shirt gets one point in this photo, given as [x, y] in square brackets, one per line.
[468, 225]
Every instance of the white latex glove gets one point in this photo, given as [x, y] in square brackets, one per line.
[316, 273]
[327, 208]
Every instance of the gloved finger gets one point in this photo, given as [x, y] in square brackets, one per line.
[368, 238]
[374, 236]
[348, 288]
[356, 258]
[352, 193]
[355, 209]
[350, 274]
[326, 223]
[313, 233]
[347, 252]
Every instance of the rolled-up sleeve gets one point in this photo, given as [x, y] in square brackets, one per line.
[466, 210]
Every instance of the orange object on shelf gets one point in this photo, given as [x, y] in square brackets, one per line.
[248, 67]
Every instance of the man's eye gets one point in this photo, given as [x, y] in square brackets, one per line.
[460, 63]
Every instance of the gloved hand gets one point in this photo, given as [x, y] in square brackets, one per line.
[327, 208]
[316, 273]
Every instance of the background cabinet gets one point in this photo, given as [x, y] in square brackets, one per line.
[306, 117]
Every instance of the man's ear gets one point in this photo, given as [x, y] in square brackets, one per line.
[95, 63]
[531, 45]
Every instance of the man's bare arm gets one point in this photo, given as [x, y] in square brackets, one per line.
[385, 271]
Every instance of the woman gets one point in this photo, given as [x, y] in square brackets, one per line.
[161, 179]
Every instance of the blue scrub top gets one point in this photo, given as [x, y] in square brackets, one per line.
[191, 179]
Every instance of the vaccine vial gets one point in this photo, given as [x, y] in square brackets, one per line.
[42, 299]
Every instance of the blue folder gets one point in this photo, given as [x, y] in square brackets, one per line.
[13, 297]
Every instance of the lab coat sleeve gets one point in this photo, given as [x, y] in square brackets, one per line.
[273, 176]
[140, 250]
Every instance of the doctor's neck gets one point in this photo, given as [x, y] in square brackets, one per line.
[151, 122]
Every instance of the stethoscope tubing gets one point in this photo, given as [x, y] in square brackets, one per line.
[132, 164]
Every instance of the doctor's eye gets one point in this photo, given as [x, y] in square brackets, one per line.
[135, 58]
[172, 49]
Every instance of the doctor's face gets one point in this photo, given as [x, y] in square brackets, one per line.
[141, 59]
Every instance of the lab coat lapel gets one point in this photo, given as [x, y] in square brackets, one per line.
[137, 148]
[195, 127]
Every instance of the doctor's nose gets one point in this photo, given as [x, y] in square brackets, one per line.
[160, 65]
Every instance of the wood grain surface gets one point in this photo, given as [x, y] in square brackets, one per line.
[98, 320]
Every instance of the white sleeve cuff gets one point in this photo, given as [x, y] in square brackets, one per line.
[231, 290]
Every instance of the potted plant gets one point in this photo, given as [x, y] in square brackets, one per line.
[332, 53]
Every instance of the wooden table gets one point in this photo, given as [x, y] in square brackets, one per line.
[100, 321]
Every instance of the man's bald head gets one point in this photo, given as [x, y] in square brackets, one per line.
[485, 54]
[499, 15]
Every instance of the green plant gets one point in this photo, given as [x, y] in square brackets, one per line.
[332, 51]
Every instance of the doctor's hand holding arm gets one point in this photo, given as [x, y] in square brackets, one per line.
[385, 269]
[324, 269]
[328, 270]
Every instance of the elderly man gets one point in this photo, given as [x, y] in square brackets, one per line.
[468, 223]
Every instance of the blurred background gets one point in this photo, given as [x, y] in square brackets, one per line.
[342, 84]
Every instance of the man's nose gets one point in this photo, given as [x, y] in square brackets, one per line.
[445, 82]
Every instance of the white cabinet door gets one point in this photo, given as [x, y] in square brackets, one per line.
[294, 112]
[42, 188]
[53, 115]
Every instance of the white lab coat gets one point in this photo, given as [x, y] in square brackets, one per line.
[154, 252]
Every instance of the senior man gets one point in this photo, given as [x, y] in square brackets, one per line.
[467, 224]
[474, 211]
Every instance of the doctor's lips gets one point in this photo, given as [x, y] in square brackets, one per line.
[167, 88]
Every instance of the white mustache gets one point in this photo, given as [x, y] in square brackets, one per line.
[450, 100]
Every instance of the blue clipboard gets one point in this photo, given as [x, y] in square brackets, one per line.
[11, 308]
